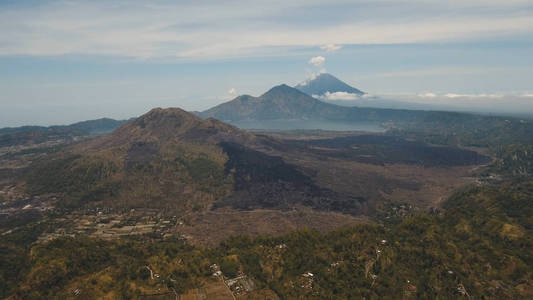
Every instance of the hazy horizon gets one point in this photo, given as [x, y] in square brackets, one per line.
[68, 61]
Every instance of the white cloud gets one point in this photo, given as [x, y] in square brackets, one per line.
[311, 77]
[201, 29]
[453, 95]
[345, 96]
[510, 102]
[317, 61]
[230, 94]
[330, 47]
[427, 95]
[459, 97]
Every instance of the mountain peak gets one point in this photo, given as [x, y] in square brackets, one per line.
[170, 125]
[281, 90]
[324, 83]
[325, 75]
[281, 87]
[158, 115]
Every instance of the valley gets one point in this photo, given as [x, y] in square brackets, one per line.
[253, 183]
[299, 124]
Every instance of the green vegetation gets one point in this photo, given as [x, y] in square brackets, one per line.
[513, 160]
[103, 180]
[447, 128]
[82, 180]
[229, 266]
[483, 243]
[101, 268]
[165, 159]
[208, 173]
[480, 246]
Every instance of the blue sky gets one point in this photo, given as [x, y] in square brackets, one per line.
[66, 61]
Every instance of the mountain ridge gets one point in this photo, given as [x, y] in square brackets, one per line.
[283, 102]
[280, 102]
[101, 125]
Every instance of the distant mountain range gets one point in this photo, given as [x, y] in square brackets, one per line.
[299, 103]
[280, 102]
[290, 108]
[12, 136]
[102, 125]
[283, 103]
[286, 103]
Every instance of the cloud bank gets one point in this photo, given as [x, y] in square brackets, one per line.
[213, 29]
[471, 96]
[342, 96]
[330, 47]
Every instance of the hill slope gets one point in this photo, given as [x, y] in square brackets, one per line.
[165, 158]
[172, 159]
[481, 247]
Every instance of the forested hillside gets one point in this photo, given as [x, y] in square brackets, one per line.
[476, 244]
[481, 246]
